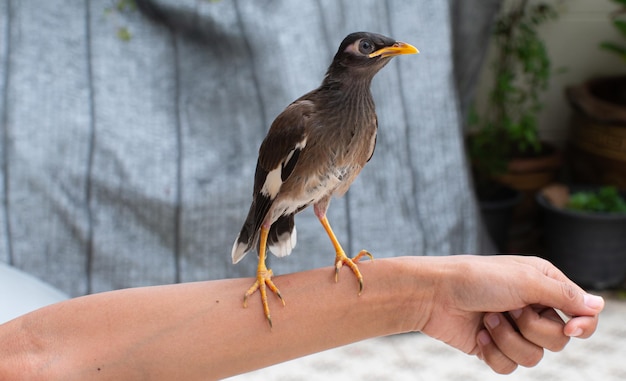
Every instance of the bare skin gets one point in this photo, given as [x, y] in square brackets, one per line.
[199, 331]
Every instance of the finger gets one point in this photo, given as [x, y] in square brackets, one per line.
[550, 287]
[492, 355]
[510, 342]
[542, 327]
[581, 327]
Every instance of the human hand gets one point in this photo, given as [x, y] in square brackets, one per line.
[502, 309]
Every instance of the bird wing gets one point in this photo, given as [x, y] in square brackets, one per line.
[278, 156]
[281, 148]
[286, 136]
[373, 141]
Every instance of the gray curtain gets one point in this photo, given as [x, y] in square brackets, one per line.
[129, 137]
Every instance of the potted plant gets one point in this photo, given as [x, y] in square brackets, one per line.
[496, 209]
[585, 233]
[598, 129]
[503, 144]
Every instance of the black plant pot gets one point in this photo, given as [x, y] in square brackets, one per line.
[590, 248]
[497, 213]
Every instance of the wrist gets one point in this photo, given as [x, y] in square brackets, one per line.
[409, 286]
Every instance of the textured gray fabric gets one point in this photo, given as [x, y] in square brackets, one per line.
[472, 20]
[128, 163]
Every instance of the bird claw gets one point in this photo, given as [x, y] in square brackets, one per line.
[262, 283]
[342, 259]
[362, 254]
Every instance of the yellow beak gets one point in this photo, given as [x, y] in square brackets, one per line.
[395, 50]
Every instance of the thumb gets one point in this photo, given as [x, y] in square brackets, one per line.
[583, 318]
[563, 294]
[581, 308]
[554, 289]
[594, 303]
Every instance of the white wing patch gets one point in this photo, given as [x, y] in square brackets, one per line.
[272, 183]
[300, 145]
[274, 180]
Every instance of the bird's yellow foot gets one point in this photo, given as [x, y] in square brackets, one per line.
[342, 259]
[263, 281]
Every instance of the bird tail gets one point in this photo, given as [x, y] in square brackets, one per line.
[247, 238]
[281, 240]
[283, 236]
[244, 243]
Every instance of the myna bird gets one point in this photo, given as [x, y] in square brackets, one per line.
[315, 149]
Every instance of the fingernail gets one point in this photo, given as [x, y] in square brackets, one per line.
[516, 313]
[593, 301]
[577, 332]
[484, 338]
[492, 320]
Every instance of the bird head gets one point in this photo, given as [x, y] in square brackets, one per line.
[367, 53]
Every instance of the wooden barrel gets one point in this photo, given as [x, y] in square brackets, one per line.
[533, 173]
[530, 174]
[597, 140]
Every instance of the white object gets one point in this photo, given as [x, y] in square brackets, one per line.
[21, 293]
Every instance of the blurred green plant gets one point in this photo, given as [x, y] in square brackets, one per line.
[618, 19]
[123, 34]
[605, 200]
[521, 70]
[119, 7]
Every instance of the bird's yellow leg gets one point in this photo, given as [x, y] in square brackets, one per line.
[263, 278]
[341, 258]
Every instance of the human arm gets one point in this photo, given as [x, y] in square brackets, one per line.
[200, 330]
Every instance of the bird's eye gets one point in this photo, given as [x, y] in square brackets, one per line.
[366, 47]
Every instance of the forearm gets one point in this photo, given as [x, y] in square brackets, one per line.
[200, 330]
